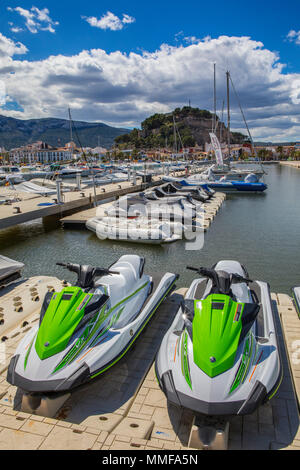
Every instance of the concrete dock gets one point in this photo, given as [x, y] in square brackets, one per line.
[293, 164]
[125, 409]
[29, 208]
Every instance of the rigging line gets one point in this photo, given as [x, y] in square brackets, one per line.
[176, 132]
[182, 146]
[92, 171]
[246, 124]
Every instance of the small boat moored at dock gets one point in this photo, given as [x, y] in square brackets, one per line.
[140, 229]
[224, 186]
[10, 270]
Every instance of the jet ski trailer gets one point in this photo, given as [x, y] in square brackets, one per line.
[220, 356]
[10, 270]
[86, 328]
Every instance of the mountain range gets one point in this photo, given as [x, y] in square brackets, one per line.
[56, 132]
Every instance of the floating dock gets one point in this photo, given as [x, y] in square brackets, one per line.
[80, 218]
[125, 409]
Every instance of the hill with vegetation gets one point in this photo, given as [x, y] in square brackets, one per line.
[56, 132]
[193, 126]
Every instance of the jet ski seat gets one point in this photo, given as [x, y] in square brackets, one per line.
[133, 264]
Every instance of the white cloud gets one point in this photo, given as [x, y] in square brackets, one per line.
[191, 39]
[35, 20]
[123, 89]
[294, 36]
[9, 48]
[110, 21]
[181, 38]
[16, 29]
[128, 19]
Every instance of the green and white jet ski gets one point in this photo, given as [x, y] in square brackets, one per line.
[85, 329]
[221, 357]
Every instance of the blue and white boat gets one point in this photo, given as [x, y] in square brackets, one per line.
[225, 186]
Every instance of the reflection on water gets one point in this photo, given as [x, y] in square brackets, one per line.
[261, 231]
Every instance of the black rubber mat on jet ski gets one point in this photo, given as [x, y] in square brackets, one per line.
[200, 289]
[260, 318]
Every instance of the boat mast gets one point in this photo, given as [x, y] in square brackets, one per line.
[71, 130]
[222, 120]
[215, 100]
[175, 136]
[228, 112]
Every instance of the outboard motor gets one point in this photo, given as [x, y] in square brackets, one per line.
[251, 178]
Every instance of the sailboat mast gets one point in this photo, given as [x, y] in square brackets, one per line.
[175, 135]
[228, 111]
[222, 120]
[215, 100]
[71, 130]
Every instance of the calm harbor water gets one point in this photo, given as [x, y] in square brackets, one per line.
[261, 231]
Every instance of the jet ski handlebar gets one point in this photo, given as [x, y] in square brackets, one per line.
[75, 268]
[213, 274]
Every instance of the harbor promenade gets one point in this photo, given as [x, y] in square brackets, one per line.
[293, 164]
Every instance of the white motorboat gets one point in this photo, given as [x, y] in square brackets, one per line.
[29, 187]
[10, 270]
[139, 225]
[138, 230]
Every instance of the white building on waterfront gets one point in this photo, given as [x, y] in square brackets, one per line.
[40, 152]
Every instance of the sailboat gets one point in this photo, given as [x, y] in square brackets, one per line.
[222, 170]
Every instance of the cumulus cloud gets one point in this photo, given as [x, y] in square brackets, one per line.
[109, 21]
[123, 89]
[35, 20]
[9, 48]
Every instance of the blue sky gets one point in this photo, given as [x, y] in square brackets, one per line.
[158, 22]
[117, 62]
